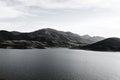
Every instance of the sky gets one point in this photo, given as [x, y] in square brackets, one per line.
[93, 17]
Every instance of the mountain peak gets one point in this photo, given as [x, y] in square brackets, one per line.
[47, 29]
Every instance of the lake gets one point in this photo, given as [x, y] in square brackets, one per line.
[58, 64]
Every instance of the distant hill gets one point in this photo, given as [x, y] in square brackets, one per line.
[109, 44]
[92, 39]
[50, 37]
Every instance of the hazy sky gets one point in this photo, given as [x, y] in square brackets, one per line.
[93, 17]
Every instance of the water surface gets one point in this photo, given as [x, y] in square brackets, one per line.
[58, 64]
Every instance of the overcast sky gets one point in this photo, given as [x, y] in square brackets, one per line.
[93, 17]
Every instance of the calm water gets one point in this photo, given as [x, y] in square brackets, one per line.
[58, 64]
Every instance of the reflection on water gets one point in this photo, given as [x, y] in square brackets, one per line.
[58, 64]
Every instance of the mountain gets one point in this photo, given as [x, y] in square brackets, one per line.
[92, 39]
[50, 37]
[109, 44]
[54, 37]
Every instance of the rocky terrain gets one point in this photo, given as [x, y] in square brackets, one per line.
[45, 38]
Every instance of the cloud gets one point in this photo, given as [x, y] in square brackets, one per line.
[58, 9]
[8, 12]
[67, 4]
[39, 7]
[79, 15]
[71, 4]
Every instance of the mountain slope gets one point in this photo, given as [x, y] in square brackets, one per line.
[110, 44]
[92, 39]
[49, 37]
[55, 37]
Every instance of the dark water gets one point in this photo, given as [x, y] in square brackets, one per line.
[58, 64]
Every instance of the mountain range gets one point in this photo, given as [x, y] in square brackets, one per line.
[44, 38]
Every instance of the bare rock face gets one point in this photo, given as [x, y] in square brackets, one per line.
[110, 44]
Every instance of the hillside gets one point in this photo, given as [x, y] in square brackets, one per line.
[49, 37]
[109, 44]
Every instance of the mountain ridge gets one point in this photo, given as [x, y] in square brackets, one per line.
[49, 37]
